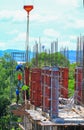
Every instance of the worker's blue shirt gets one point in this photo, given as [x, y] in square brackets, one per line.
[19, 67]
[17, 92]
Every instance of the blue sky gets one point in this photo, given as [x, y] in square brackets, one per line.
[49, 20]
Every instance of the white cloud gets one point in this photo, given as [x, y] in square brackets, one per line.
[13, 32]
[6, 14]
[2, 45]
[79, 23]
[68, 3]
[20, 37]
[19, 16]
[51, 33]
[14, 15]
[73, 37]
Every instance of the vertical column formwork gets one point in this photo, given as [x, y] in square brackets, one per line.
[78, 84]
[50, 93]
[35, 87]
[46, 81]
[54, 92]
[26, 75]
[63, 81]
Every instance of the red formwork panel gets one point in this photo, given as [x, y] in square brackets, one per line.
[44, 77]
[37, 103]
[37, 96]
[64, 93]
[79, 95]
[36, 70]
[50, 89]
[64, 72]
[48, 80]
[35, 76]
[47, 102]
[78, 74]
[63, 81]
[78, 83]
[47, 91]
[65, 89]
[35, 87]
[26, 75]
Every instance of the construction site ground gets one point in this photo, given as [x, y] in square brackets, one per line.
[35, 119]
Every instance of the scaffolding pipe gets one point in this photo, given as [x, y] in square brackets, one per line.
[83, 77]
[27, 38]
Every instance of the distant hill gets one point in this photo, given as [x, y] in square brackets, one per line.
[72, 54]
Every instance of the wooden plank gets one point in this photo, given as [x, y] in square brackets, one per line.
[21, 126]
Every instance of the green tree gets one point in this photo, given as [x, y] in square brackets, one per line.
[6, 67]
[50, 60]
[72, 78]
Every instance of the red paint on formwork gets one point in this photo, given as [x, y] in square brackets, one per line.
[63, 81]
[35, 76]
[35, 87]
[47, 102]
[78, 84]
[48, 78]
[45, 89]
[26, 76]
[50, 89]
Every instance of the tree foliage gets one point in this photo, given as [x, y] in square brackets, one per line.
[6, 64]
[71, 78]
[44, 59]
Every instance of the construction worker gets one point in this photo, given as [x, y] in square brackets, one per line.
[17, 95]
[19, 67]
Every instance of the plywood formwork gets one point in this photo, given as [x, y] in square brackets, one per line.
[63, 81]
[50, 86]
[35, 89]
[78, 84]
[54, 92]
[46, 89]
[26, 75]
